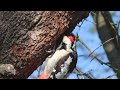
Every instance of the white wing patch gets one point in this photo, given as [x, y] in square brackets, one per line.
[64, 69]
[51, 64]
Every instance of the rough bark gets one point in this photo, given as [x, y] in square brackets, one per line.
[26, 35]
[106, 32]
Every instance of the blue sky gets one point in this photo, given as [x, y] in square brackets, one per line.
[91, 39]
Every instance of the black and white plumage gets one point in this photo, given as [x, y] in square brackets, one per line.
[64, 66]
[62, 62]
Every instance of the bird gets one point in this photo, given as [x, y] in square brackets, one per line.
[63, 61]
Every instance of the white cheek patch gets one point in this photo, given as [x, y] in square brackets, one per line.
[67, 42]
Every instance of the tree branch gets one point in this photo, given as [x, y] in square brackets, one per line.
[106, 31]
[26, 35]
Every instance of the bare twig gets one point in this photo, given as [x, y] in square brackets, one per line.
[108, 64]
[101, 45]
[110, 76]
[94, 56]
[86, 55]
[82, 74]
[90, 21]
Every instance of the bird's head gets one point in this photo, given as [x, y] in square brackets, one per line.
[69, 40]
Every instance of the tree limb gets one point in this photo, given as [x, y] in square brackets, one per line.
[26, 35]
[106, 31]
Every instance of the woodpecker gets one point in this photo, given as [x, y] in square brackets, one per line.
[63, 61]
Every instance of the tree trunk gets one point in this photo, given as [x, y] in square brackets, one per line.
[26, 35]
[106, 32]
